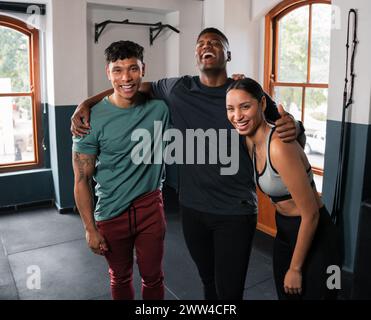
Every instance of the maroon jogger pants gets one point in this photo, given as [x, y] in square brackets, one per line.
[142, 227]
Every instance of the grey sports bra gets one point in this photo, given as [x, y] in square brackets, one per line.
[269, 181]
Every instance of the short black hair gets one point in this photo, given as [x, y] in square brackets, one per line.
[250, 86]
[120, 50]
[213, 30]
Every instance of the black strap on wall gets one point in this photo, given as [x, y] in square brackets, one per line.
[347, 101]
[21, 7]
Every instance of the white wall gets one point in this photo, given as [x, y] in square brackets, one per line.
[190, 25]
[360, 110]
[159, 6]
[242, 32]
[49, 59]
[172, 46]
[172, 54]
[69, 51]
[74, 62]
[65, 70]
[190, 17]
[154, 56]
[261, 7]
[214, 14]
[234, 18]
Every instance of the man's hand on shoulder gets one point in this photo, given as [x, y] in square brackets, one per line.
[80, 120]
[80, 125]
[286, 125]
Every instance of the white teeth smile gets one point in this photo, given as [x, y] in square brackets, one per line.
[127, 86]
[241, 124]
[208, 55]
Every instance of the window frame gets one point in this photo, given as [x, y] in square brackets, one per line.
[271, 51]
[34, 94]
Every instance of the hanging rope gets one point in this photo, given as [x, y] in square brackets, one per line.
[347, 101]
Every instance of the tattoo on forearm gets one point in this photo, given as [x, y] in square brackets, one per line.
[83, 163]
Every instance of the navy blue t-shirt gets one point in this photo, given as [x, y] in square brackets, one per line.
[202, 186]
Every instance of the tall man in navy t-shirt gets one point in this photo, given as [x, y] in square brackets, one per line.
[218, 211]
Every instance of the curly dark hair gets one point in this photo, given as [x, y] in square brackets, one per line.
[120, 50]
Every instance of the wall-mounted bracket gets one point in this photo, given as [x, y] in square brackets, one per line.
[99, 27]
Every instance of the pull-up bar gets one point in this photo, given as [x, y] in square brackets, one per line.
[99, 27]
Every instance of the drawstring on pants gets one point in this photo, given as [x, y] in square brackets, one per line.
[135, 218]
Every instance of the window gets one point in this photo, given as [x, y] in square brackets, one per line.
[297, 68]
[19, 96]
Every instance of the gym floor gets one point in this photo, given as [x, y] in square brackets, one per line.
[55, 243]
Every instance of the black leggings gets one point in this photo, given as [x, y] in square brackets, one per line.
[220, 245]
[324, 251]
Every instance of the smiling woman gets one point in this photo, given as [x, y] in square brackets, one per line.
[306, 242]
[19, 97]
